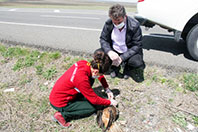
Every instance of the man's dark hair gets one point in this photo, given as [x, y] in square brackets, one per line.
[117, 11]
[101, 61]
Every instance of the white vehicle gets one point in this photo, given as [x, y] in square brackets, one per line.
[179, 16]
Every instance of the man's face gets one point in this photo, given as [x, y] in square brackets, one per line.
[118, 20]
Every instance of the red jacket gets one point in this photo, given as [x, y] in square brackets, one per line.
[77, 76]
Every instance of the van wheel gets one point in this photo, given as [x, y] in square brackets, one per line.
[192, 42]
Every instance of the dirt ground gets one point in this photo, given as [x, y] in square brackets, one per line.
[160, 103]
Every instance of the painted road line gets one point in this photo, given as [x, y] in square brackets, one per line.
[73, 17]
[62, 12]
[51, 26]
[57, 11]
[12, 9]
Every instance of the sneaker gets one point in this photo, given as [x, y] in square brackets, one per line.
[113, 74]
[126, 72]
[126, 76]
[60, 120]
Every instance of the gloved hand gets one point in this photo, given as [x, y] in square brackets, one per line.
[113, 55]
[109, 93]
[114, 102]
[117, 62]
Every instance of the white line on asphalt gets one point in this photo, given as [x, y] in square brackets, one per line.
[62, 12]
[74, 17]
[51, 26]
[12, 9]
[56, 10]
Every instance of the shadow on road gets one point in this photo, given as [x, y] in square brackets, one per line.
[165, 43]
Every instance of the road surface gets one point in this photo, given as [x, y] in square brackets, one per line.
[79, 30]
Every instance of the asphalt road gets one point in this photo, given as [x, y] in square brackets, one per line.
[79, 30]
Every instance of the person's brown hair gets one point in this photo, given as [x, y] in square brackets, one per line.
[101, 61]
[117, 11]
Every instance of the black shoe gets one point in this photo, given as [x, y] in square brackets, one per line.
[127, 72]
[138, 75]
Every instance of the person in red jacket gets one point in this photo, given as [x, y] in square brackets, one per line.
[72, 95]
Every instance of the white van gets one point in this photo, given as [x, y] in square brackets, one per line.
[179, 16]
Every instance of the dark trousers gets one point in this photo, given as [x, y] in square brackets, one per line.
[134, 62]
[78, 108]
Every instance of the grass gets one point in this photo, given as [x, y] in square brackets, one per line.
[180, 119]
[28, 108]
[191, 82]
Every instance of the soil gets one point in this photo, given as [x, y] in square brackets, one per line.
[160, 103]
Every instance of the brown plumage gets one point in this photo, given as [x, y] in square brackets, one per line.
[106, 119]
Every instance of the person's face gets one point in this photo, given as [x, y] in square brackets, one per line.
[95, 72]
[118, 20]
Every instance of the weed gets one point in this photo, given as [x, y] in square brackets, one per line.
[24, 80]
[155, 78]
[191, 82]
[2, 49]
[44, 57]
[68, 58]
[170, 100]
[180, 89]
[179, 119]
[195, 119]
[163, 80]
[55, 55]
[19, 64]
[39, 69]
[21, 52]
[50, 73]
[32, 58]
[9, 52]
[43, 88]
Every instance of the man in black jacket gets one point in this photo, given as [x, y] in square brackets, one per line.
[121, 39]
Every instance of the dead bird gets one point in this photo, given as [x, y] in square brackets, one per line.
[106, 119]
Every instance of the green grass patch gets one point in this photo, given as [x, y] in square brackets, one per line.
[55, 55]
[191, 81]
[50, 73]
[39, 69]
[180, 119]
[195, 119]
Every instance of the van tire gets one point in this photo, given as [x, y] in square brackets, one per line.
[192, 42]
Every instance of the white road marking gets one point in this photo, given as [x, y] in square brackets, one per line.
[57, 11]
[73, 17]
[62, 12]
[51, 26]
[12, 9]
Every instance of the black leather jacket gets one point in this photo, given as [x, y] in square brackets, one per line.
[133, 38]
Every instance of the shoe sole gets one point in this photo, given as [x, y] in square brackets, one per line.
[55, 120]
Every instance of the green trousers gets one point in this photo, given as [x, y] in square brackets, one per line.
[79, 108]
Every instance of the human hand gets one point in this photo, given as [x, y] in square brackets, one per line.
[114, 102]
[113, 55]
[109, 94]
[117, 62]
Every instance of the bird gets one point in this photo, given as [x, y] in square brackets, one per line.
[106, 119]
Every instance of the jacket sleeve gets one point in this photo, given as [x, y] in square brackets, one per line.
[136, 42]
[105, 38]
[103, 82]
